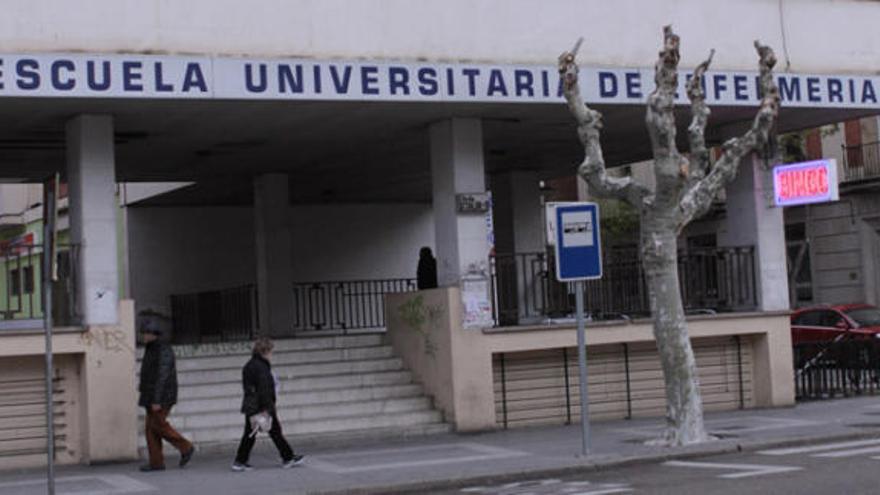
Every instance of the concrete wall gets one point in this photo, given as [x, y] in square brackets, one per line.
[623, 33]
[350, 242]
[455, 365]
[99, 400]
[183, 250]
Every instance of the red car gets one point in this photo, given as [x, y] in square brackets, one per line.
[829, 323]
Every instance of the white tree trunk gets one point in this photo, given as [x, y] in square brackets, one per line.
[684, 407]
[684, 190]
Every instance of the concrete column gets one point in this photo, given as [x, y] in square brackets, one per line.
[91, 180]
[274, 274]
[457, 167]
[519, 230]
[753, 220]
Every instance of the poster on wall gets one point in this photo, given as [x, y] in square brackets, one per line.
[476, 308]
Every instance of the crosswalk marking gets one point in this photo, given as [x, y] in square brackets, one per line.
[745, 470]
[551, 486]
[850, 453]
[819, 448]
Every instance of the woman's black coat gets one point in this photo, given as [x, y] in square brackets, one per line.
[259, 386]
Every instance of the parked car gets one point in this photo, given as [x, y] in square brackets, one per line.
[830, 323]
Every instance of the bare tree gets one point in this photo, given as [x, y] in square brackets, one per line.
[684, 190]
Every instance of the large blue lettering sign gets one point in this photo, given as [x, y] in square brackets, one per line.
[143, 76]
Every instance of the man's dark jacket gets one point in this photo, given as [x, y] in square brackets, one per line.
[158, 376]
[259, 386]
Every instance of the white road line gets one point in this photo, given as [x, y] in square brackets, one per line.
[819, 448]
[850, 453]
[551, 486]
[747, 470]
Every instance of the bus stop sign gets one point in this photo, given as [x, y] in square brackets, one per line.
[578, 246]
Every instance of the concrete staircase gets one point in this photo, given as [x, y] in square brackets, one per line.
[333, 389]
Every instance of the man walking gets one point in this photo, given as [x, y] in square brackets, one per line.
[158, 393]
[259, 403]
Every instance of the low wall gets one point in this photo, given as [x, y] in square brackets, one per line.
[456, 365]
[95, 399]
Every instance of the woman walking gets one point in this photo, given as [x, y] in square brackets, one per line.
[259, 400]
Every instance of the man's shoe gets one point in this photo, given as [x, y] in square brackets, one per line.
[296, 460]
[186, 456]
[146, 468]
[241, 467]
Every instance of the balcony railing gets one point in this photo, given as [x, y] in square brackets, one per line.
[525, 289]
[861, 161]
[21, 302]
[344, 305]
[214, 316]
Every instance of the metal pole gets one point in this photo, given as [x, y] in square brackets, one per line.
[46, 276]
[582, 366]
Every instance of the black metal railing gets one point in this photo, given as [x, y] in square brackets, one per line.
[842, 368]
[344, 305]
[22, 287]
[712, 279]
[214, 316]
[861, 161]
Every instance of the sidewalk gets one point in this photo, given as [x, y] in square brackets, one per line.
[456, 460]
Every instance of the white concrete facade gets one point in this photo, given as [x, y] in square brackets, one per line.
[92, 188]
[752, 219]
[821, 35]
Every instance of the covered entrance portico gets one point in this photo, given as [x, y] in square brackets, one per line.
[275, 189]
[366, 183]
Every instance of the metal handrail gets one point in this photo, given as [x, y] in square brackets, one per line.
[712, 280]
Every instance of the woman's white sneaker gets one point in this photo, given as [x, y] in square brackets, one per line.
[241, 467]
[296, 460]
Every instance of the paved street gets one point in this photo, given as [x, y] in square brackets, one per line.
[818, 447]
[848, 467]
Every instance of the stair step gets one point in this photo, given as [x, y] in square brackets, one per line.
[294, 371]
[232, 417]
[316, 383]
[233, 402]
[281, 345]
[281, 358]
[403, 419]
[332, 389]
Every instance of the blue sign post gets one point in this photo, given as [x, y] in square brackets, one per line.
[579, 258]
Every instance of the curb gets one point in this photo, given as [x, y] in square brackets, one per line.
[598, 463]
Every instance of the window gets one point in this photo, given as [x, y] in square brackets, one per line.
[14, 282]
[809, 319]
[830, 319]
[28, 274]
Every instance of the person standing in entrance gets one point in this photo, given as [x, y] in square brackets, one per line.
[158, 393]
[259, 399]
[426, 273]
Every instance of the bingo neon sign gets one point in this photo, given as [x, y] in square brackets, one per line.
[805, 182]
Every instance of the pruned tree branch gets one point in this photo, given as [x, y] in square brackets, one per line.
[660, 117]
[699, 118]
[589, 124]
[698, 198]
[670, 168]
